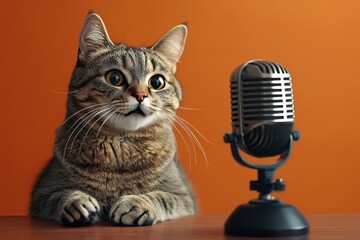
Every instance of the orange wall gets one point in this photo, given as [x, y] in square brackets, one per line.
[318, 41]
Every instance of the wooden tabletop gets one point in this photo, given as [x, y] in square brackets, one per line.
[194, 227]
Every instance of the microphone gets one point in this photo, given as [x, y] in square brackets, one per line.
[262, 109]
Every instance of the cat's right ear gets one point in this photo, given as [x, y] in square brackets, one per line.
[93, 37]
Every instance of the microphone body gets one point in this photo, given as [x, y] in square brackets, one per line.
[262, 107]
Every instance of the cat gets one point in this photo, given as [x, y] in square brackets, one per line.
[115, 154]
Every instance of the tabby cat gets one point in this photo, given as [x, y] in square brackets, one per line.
[115, 154]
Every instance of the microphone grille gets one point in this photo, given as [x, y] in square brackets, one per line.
[261, 93]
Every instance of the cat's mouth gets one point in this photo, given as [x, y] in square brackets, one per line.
[136, 111]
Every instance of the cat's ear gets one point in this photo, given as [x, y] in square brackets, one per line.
[172, 44]
[93, 37]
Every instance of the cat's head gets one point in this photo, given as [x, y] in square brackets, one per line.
[122, 87]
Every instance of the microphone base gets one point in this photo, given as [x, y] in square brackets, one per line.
[266, 218]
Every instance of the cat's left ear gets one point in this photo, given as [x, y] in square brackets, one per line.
[93, 37]
[171, 45]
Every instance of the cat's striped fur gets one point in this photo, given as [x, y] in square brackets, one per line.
[115, 154]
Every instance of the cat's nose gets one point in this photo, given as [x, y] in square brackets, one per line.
[140, 96]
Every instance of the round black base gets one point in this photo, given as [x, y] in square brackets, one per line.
[266, 218]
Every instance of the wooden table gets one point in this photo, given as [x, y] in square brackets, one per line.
[208, 227]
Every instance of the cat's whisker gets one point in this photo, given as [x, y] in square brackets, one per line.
[190, 109]
[89, 113]
[183, 120]
[78, 123]
[192, 135]
[183, 123]
[84, 125]
[117, 118]
[59, 92]
[75, 124]
[192, 126]
[81, 110]
[119, 110]
[166, 118]
[191, 138]
[173, 121]
[74, 130]
[107, 112]
[187, 147]
[112, 114]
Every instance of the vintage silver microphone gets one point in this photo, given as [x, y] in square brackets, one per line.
[262, 109]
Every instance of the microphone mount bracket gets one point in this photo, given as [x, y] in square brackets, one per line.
[265, 183]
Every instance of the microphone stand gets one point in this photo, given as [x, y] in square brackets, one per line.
[265, 216]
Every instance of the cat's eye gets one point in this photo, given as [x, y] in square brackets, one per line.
[157, 82]
[115, 78]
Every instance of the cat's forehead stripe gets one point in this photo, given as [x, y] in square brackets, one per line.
[133, 58]
[124, 61]
[146, 59]
[137, 61]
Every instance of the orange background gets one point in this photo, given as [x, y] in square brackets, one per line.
[318, 41]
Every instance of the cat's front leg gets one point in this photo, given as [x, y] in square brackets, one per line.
[79, 209]
[150, 208]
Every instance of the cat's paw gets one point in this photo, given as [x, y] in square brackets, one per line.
[132, 210]
[79, 209]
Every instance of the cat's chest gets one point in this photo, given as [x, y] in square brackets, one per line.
[113, 166]
[116, 153]
[128, 154]
[108, 187]
[125, 167]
